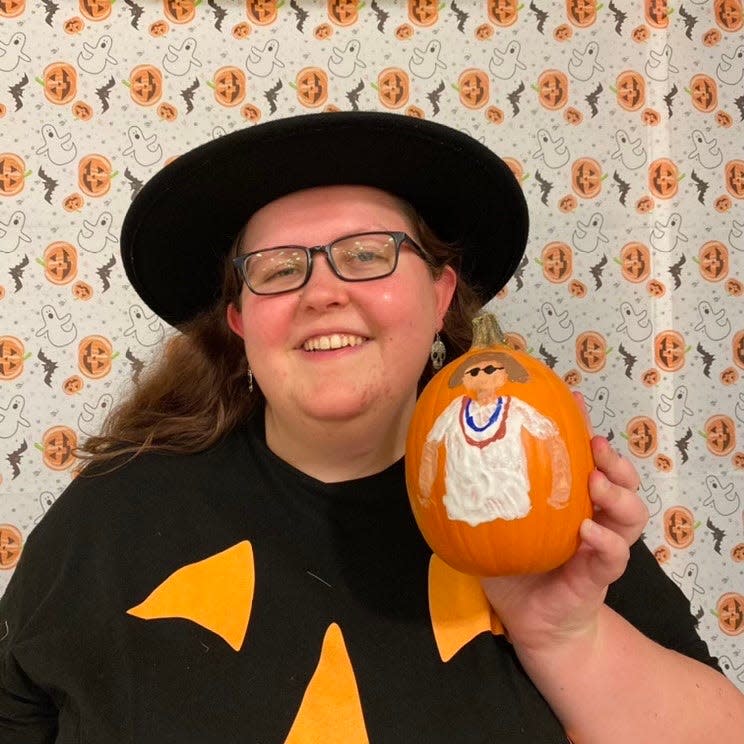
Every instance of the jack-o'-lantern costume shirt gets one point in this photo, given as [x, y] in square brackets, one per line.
[226, 597]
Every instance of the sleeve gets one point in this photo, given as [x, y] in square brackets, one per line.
[647, 598]
[536, 424]
[27, 713]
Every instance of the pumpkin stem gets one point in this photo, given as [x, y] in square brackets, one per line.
[487, 331]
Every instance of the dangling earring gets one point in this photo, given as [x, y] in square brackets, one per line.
[438, 353]
[249, 374]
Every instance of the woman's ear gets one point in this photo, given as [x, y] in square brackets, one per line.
[444, 288]
[235, 319]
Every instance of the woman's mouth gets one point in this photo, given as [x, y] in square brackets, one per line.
[332, 342]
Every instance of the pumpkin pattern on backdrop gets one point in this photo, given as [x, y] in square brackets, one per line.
[643, 307]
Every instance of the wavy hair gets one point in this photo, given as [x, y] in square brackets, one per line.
[197, 391]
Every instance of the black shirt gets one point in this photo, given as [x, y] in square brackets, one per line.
[338, 562]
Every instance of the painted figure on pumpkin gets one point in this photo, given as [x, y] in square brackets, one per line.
[486, 469]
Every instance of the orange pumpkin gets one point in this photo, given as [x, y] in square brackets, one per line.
[12, 174]
[474, 88]
[60, 82]
[12, 8]
[95, 10]
[729, 14]
[581, 13]
[529, 520]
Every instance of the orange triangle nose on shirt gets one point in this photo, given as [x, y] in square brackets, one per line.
[216, 593]
[331, 711]
[459, 608]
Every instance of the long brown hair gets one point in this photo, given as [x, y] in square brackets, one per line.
[197, 392]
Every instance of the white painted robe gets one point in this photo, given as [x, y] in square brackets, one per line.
[485, 469]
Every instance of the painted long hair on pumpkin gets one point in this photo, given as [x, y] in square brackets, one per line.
[197, 392]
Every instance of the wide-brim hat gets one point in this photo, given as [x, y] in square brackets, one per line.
[182, 223]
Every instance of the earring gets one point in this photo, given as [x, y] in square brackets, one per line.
[249, 374]
[438, 353]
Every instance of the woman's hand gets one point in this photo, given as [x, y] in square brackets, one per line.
[544, 610]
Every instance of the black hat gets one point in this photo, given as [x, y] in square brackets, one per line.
[182, 223]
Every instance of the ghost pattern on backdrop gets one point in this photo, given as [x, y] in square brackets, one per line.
[622, 122]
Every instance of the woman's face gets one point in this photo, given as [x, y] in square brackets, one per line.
[385, 327]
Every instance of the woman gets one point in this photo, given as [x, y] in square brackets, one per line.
[238, 562]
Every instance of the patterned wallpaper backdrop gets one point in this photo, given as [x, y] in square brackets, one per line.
[624, 122]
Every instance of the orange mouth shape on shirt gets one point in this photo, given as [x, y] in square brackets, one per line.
[333, 342]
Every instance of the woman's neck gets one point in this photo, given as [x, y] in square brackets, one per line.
[334, 451]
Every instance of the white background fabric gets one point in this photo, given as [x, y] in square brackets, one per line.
[50, 140]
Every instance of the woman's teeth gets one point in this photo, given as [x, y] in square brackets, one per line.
[335, 341]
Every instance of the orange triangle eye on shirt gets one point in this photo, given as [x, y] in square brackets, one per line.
[217, 594]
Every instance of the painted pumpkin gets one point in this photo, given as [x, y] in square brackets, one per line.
[492, 484]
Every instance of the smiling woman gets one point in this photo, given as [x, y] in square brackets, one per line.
[238, 560]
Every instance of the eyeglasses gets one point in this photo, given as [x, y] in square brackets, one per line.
[489, 370]
[353, 258]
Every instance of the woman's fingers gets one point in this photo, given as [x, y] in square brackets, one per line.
[617, 508]
[617, 468]
[605, 555]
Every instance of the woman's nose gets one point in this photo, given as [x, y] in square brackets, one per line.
[324, 288]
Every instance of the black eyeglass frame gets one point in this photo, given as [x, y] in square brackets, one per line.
[398, 237]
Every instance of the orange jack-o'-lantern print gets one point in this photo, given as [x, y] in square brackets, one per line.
[72, 385]
[662, 554]
[261, 12]
[663, 463]
[82, 110]
[679, 527]
[729, 14]
[635, 262]
[343, 12]
[82, 291]
[729, 376]
[73, 202]
[474, 87]
[145, 85]
[737, 349]
[311, 85]
[96, 10]
[393, 87]
[12, 174]
[663, 178]
[73, 25]
[581, 13]
[229, 86]
[12, 8]
[95, 355]
[730, 613]
[557, 262]
[713, 260]
[60, 82]
[423, 12]
[167, 111]
[58, 447]
[651, 377]
[734, 176]
[180, 11]
[503, 12]
[720, 435]
[60, 262]
[656, 288]
[11, 544]
[669, 351]
[704, 92]
[94, 175]
[567, 203]
[159, 28]
[630, 90]
[737, 553]
[12, 357]
[642, 436]
[657, 13]
[591, 351]
[586, 178]
[552, 89]
[734, 287]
